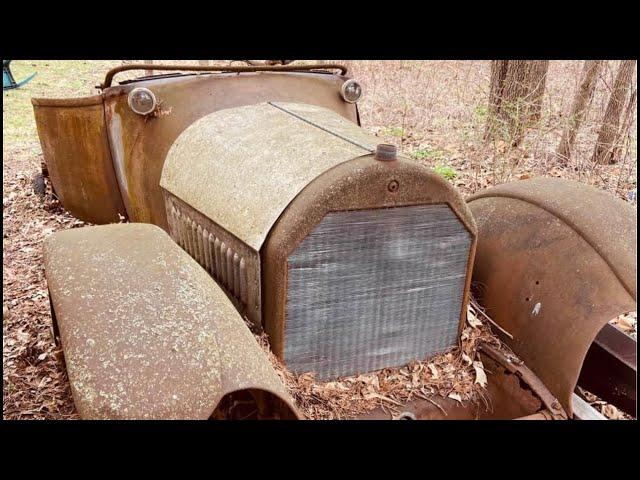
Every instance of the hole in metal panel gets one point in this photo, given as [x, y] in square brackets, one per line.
[371, 289]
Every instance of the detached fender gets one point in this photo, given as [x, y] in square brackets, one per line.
[555, 262]
[146, 332]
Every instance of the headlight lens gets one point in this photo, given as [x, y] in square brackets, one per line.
[351, 91]
[142, 101]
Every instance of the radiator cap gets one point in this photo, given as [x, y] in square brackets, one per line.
[386, 152]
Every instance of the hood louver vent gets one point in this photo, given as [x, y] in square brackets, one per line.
[213, 254]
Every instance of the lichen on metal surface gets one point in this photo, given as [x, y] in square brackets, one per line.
[145, 331]
[241, 167]
[336, 125]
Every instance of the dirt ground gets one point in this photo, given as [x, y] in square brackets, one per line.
[434, 111]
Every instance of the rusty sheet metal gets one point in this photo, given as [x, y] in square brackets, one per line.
[333, 124]
[610, 369]
[541, 415]
[507, 396]
[74, 143]
[241, 167]
[552, 274]
[593, 213]
[146, 333]
[517, 366]
[140, 144]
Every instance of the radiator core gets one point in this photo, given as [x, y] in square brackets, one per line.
[370, 289]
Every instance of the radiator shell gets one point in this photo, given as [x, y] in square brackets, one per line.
[360, 184]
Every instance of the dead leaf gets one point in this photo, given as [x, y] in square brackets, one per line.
[473, 321]
[612, 412]
[501, 146]
[455, 396]
[369, 396]
[556, 172]
[625, 323]
[481, 376]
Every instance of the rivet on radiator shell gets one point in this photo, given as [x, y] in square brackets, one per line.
[386, 152]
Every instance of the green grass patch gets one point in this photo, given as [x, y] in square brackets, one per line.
[481, 112]
[394, 132]
[446, 171]
[54, 79]
[428, 153]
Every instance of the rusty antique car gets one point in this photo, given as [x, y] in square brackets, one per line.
[252, 193]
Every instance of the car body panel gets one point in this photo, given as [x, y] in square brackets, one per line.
[550, 271]
[75, 145]
[146, 333]
[243, 166]
[361, 183]
[117, 142]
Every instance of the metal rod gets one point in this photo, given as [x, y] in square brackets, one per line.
[230, 68]
[478, 308]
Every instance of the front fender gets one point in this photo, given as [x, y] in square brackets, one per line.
[146, 332]
[555, 262]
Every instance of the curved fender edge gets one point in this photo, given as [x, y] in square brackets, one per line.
[555, 262]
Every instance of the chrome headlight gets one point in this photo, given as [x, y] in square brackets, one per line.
[142, 101]
[351, 91]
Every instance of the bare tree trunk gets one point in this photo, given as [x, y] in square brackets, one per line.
[537, 77]
[609, 131]
[498, 74]
[515, 98]
[581, 103]
[626, 125]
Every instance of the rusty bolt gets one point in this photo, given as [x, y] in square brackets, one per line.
[393, 186]
[555, 405]
[386, 152]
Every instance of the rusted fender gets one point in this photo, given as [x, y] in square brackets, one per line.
[555, 262]
[146, 332]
